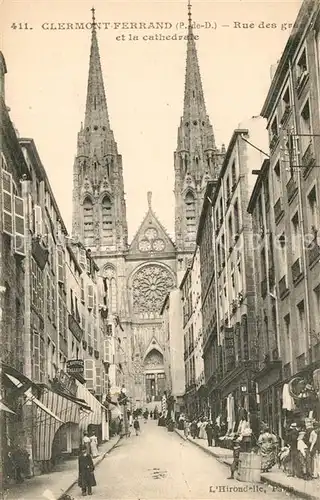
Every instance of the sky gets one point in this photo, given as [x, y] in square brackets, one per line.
[47, 75]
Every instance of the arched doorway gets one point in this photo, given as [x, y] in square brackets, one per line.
[154, 376]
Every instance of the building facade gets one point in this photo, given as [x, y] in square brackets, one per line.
[236, 350]
[287, 198]
[209, 342]
[14, 172]
[140, 274]
[171, 313]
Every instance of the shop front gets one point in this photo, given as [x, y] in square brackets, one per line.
[268, 379]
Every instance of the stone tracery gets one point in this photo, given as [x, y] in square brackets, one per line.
[150, 286]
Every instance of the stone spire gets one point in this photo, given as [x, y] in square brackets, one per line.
[96, 107]
[194, 103]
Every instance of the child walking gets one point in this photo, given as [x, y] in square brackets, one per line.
[236, 458]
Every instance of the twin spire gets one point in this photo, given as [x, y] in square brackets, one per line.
[96, 107]
[96, 114]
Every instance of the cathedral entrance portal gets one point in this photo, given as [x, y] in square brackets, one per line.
[154, 376]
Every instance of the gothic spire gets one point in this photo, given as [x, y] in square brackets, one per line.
[96, 107]
[194, 103]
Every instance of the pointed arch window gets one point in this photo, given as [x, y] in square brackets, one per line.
[111, 289]
[107, 220]
[88, 221]
[190, 210]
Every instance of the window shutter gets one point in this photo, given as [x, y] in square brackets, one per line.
[98, 381]
[83, 323]
[42, 360]
[106, 351]
[82, 258]
[95, 338]
[48, 296]
[60, 266]
[36, 356]
[89, 373]
[89, 333]
[19, 230]
[88, 265]
[54, 305]
[90, 297]
[60, 306]
[7, 203]
[38, 223]
[82, 291]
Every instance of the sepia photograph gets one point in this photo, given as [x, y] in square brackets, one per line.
[159, 249]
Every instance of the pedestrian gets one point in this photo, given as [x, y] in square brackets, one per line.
[86, 472]
[209, 431]
[236, 458]
[86, 441]
[193, 429]
[94, 445]
[186, 428]
[267, 444]
[145, 416]
[136, 426]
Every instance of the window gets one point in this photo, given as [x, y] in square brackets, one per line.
[228, 189]
[236, 218]
[287, 338]
[230, 230]
[313, 211]
[233, 173]
[88, 221]
[301, 327]
[274, 128]
[295, 242]
[263, 265]
[302, 67]
[190, 213]
[305, 124]
[286, 99]
[107, 220]
[37, 287]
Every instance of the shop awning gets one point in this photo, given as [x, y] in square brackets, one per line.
[96, 415]
[32, 398]
[5, 408]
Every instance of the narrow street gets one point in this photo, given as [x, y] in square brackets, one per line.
[160, 465]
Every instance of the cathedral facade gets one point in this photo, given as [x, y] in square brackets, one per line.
[138, 275]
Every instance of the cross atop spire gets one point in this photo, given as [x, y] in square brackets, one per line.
[96, 116]
[149, 195]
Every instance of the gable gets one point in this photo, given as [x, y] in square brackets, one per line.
[151, 238]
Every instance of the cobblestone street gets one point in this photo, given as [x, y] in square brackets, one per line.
[161, 465]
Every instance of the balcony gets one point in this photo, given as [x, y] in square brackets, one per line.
[292, 188]
[263, 287]
[313, 252]
[308, 160]
[75, 328]
[278, 210]
[283, 287]
[286, 114]
[296, 270]
[274, 142]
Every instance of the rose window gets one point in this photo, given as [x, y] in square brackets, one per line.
[150, 286]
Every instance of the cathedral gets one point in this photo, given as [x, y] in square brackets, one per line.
[140, 273]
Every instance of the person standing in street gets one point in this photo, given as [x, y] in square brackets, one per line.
[136, 426]
[86, 441]
[86, 472]
[94, 445]
[236, 459]
[209, 431]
